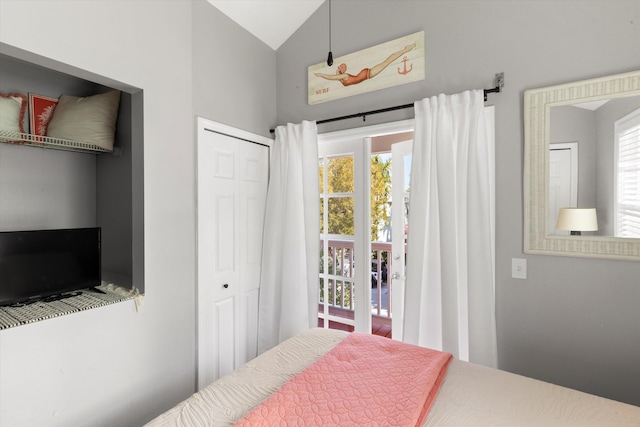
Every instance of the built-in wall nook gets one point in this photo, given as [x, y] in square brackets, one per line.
[45, 185]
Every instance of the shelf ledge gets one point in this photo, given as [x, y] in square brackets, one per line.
[29, 140]
[22, 314]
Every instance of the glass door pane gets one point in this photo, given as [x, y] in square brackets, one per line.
[337, 263]
[380, 238]
[356, 230]
[389, 194]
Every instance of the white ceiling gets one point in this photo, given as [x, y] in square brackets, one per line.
[272, 21]
[593, 105]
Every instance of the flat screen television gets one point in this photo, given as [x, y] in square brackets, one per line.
[41, 263]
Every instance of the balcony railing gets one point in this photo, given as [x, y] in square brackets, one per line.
[380, 267]
[340, 281]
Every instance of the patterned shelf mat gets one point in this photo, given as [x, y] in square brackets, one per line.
[16, 315]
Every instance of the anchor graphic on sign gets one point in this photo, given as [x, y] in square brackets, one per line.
[405, 71]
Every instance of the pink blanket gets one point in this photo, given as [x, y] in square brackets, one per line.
[364, 380]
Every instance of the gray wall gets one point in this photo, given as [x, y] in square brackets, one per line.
[118, 366]
[42, 189]
[574, 321]
[233, 73]
[114, 204]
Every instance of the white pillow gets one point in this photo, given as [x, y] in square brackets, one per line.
[91, 119]
[12, 109]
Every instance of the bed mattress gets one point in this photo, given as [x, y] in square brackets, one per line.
[471, 395]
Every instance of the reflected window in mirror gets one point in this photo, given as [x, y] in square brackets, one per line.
[627, 202]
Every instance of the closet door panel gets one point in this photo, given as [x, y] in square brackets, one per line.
[232, 185]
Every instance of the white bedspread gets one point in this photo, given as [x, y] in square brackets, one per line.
[471, 395]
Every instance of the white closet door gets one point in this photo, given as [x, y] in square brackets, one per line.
[233, 174]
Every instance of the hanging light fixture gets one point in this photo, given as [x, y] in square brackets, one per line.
[330, 57]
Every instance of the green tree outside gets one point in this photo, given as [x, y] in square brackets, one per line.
[340, 186]
[340, 209]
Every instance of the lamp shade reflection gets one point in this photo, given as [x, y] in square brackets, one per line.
[577, 220]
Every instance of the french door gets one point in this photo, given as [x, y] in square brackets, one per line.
[401, 164]
[343, 299]
[361, 272]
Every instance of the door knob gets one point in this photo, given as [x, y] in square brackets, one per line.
[226, 285]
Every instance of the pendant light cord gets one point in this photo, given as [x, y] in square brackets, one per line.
[330, 56]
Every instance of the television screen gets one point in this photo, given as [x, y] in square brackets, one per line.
[41, 263]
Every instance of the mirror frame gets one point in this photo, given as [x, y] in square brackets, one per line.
[537, 105]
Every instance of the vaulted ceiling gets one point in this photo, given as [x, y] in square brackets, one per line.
[272, 21]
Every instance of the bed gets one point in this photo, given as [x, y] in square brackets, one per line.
[468, 395]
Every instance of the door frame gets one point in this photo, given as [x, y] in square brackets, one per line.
[573, 172]
[363, 251]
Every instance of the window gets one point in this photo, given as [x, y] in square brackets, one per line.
[627, 203]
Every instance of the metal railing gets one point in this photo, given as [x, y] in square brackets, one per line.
[381, 263]
[340, 277]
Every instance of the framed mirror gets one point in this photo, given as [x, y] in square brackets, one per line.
[595, 120]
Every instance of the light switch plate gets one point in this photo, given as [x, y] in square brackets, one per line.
[518, 268]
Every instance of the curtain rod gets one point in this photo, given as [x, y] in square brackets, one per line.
[499, 82]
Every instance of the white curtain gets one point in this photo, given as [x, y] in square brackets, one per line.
[450, 277]
[288, 301]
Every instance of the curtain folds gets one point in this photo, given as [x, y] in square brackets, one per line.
[450, 277]
[288, 301]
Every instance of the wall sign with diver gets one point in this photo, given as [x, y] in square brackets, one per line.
[386, 65]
